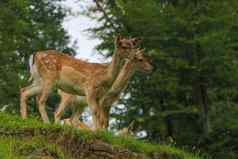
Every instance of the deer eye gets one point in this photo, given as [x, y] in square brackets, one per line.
[134, 43]
[140, 60]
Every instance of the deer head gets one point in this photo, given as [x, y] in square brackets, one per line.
[141, 62]
[127, 43]
[124, 45]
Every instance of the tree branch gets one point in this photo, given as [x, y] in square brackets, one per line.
[100, 8]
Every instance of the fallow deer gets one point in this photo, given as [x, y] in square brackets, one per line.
[136, 62]
[53, 69]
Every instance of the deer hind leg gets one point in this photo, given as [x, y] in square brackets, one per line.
[42, 100]
[78, 109]
[103, 117]
[25, 93]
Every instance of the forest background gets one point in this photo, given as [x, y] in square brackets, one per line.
[190, 101]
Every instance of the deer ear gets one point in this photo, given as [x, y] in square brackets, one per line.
[136, 41]
[118, 40]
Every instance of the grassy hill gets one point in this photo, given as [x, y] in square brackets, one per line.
[31, 139]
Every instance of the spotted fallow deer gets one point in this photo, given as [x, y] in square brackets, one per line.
[135, 62]
[53, 69]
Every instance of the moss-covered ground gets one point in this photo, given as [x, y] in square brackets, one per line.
[18, 147]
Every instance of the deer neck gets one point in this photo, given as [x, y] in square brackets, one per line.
[126, 72]
[119, 84]
[114, 66]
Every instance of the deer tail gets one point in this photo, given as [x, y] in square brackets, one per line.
[31, 66]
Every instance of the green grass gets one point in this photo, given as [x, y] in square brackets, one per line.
[6, 148]
[14, 122]
[136, 145]
[15, 148]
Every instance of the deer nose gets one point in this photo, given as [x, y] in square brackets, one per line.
[149, 69]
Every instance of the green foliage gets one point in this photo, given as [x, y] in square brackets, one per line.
[223, 143]
[26, 27]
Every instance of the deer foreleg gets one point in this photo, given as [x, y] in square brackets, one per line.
[94, 106]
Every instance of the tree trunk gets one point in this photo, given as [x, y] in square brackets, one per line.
[204, 110]
[167, 120]
[202, 101]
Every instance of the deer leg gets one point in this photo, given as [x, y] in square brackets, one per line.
[42, 100]
[94, 106]
[25, 93]
[75, 118]
[105, 106]
[103, 117]
[59, 112]
[77, 112]
[96, 120]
